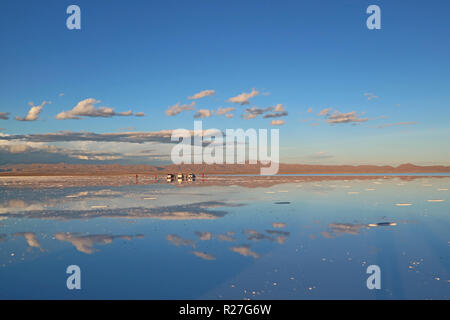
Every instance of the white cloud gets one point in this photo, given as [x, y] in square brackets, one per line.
[4, 115]
[339, 117]
[126, 113]
[202, 113]
[253, 112]
[223, 111]
[177, 108]
[202, 94]
[86, 108]
[243, 98]
[33, 113]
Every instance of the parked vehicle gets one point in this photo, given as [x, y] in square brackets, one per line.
[170, 177]
[190, 177]
[180, 177]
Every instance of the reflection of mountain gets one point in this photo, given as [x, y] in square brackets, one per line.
[199, 210]
[256, 181]
[85, 244]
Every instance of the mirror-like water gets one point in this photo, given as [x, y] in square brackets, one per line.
[237, 237]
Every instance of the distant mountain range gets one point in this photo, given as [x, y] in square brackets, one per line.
[117, 169]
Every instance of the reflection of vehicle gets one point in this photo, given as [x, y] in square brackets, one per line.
[190, 177]
[180, 177]
[170, 177]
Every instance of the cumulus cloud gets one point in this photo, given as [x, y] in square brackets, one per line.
[224, 111]
[202, 94]
[339, 117]
[126, 113]
[177, 108]
[202, 113]
[310, 110]
[278, 112]
[139, 114]
[4, 115]
[229, 115]
[243, 98]
[253, 112]
[86, 108]
[277, 122]
[33, 113]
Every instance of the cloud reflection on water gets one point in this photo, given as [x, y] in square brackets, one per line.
[85, 244]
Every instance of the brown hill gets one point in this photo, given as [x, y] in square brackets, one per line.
[116, 169]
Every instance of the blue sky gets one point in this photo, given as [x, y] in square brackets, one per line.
[146, 56]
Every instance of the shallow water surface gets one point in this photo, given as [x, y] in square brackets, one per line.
[237, 237]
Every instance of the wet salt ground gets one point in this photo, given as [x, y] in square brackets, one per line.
[293, 239]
